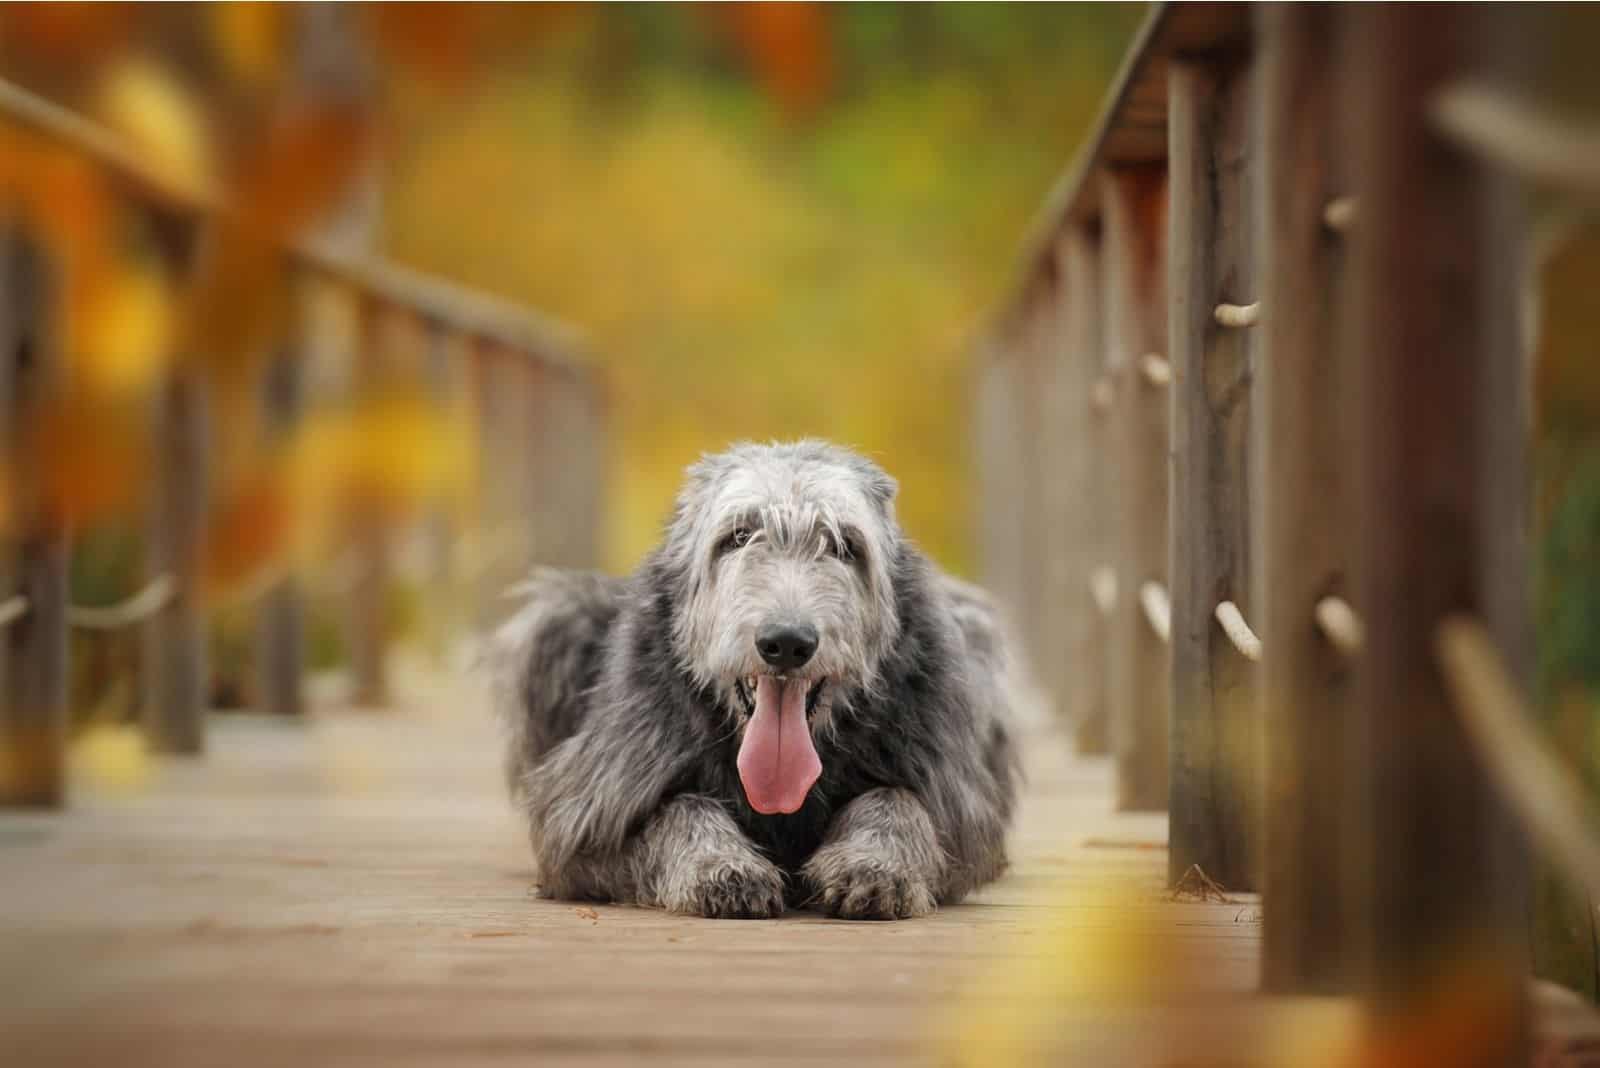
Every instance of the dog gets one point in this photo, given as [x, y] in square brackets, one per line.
[786, 705]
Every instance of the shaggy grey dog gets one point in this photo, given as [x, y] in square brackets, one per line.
[786, 704]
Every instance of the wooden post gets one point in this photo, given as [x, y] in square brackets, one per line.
[1434, 877]
[1029, 381]
[175, 639]
[1215, 738]
[1057, 545]
[33, 703]
[367, 610]
[1084, 544]
[1304, 529]
[1134, 268]
[280, 618]
[999, 446]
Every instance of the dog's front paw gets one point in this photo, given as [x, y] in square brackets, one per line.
[746, 888]
[867, 888]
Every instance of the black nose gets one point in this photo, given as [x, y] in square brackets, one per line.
[786, 646]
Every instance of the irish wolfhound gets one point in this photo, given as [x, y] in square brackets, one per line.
[786, 704]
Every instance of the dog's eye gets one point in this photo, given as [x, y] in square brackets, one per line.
[737, 539]
[842, 547]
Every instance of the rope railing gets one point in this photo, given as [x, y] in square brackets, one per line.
[1237, 315]
[1155, 369]
[1339, 214]
[1103, 589]
[1538, 787]
[1238, 631]
[1515, 134]
[1157, 609]
[156, 595]
[12, 609]
[1102, 395]
[1340, 624]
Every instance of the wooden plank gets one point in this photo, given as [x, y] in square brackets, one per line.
[33, 702]
[403, 931]
[1086, 542]
[1216, 759]
[1134, 289]
[1304, 528]
[1434, 877]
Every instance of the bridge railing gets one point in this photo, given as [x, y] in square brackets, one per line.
[1253, 448]
[514, 380]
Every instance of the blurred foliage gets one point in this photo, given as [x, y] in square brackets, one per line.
[785, 221]
[1566, 559]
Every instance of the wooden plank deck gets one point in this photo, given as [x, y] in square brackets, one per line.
[356, 891]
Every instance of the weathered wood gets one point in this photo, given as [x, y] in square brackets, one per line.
[998, 448]
[33, 702]
[1134, 290]
[1303, 526]
[280, 617]
[375, 362]
[1085, 542]
[1434, 877]
[565, 458]
[1216, 758]
[1056, 470]
[405, 926]
[175, 653]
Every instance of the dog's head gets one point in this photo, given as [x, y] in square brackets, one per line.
[786, 555]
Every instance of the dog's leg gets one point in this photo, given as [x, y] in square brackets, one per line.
[880, 861]
[692, 858]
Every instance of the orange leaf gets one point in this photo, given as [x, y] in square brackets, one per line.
[90, 455]
[250, 530]
[788, 45]
[307, 158]
[70, 33]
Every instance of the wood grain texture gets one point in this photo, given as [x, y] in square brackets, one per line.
[33, 650]
[1432, 873]
[1216, 755]
[356, 890]
[1134, 290]
[1304, 527]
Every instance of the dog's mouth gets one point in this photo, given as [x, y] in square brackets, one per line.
[747, 686]
[778, 762]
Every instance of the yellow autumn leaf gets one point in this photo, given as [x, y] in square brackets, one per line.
[1014, 1012]
[111, 757]
[161, 123]
[391, 453]
[123, 329]
[249, 38]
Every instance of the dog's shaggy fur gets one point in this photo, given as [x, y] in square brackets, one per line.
[628, 700]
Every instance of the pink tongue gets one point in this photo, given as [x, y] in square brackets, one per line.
[777, 762]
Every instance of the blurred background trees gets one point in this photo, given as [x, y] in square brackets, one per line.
[770, 220]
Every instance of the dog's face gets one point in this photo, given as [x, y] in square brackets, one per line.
[785, 553]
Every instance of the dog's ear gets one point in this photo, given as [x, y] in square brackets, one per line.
[881, 486]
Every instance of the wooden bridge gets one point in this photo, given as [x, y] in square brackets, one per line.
[1251, 429]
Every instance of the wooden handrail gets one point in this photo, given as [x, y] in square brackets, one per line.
[447, 303]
